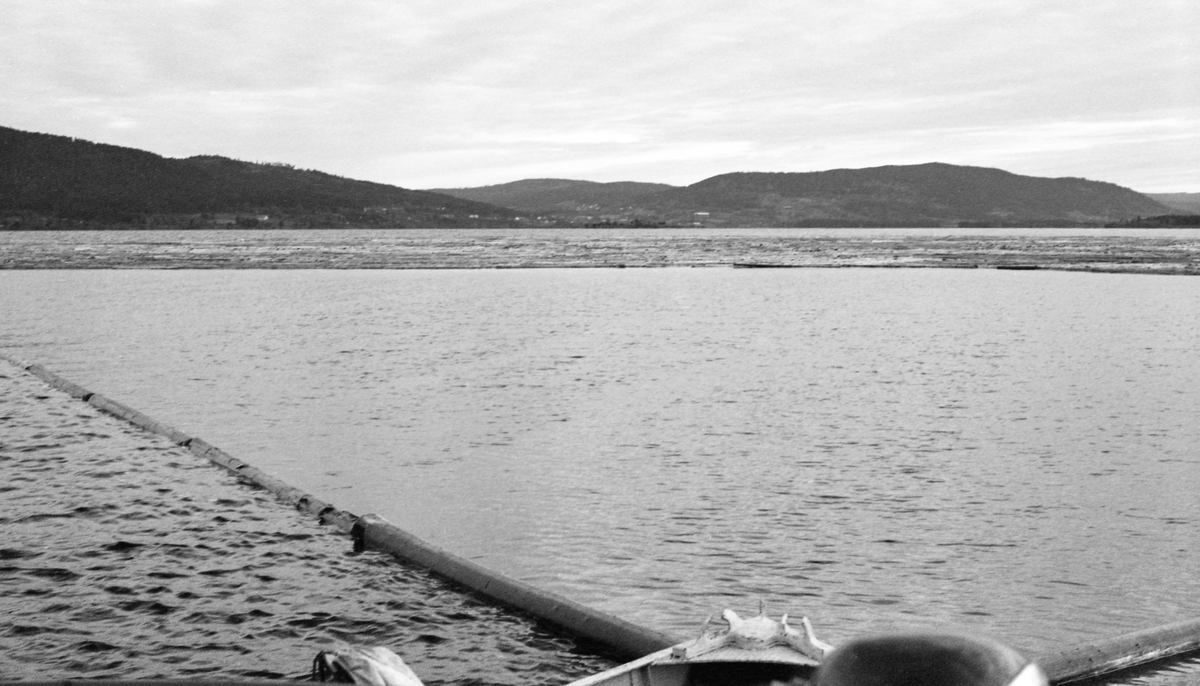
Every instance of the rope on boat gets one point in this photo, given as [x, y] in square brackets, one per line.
[616, 635]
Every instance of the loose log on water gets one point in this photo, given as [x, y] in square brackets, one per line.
[137, 418]
[326, 513]
[74, 390]
[619, 636]
[623, 638]
[288, 494]
[14, 361]
[1126, 651]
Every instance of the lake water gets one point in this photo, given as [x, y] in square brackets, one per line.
[126, 556]
[1010, 453]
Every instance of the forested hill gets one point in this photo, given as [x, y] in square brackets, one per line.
[63, 178]
[915, 195]
[1186, 202]
[49, 181]
[561, 195]
[930, 195]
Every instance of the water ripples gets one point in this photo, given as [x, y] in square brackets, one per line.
[125, 556]
[1011, 453]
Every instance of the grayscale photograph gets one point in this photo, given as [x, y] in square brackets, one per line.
[634, 343]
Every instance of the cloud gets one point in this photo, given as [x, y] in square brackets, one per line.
[489, 165]
[356, 87]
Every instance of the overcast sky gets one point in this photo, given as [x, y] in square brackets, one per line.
[451, 93]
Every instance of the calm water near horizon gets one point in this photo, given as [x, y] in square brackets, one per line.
[1011, 453]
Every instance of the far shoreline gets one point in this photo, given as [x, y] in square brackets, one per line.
[1128, 251]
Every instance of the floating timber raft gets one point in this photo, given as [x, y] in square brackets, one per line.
[621, 638]
[626, 640]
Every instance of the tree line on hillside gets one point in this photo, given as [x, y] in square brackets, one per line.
[921, 195]
[55, 182]
[59, 181]
[1162, 221]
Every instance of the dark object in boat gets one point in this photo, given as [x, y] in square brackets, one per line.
[927, 660]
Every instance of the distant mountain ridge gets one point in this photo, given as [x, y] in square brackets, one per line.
[64, 178]
[1184, 202]
[49, 181]
[560, 195]
[933, 194]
